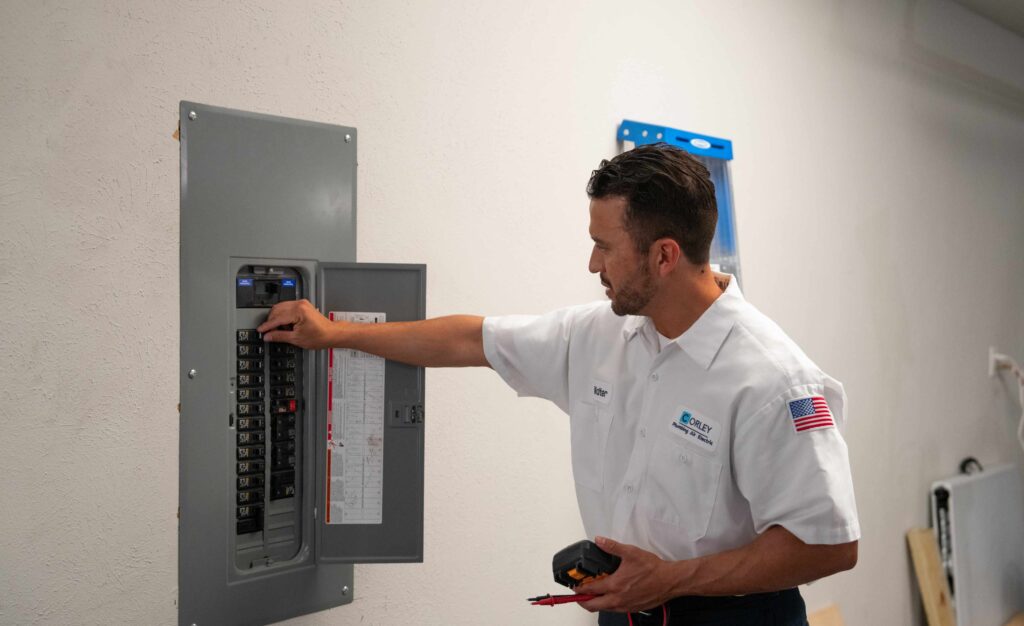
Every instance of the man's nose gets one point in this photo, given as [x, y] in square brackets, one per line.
[595, 264]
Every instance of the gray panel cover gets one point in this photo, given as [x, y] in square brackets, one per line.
[259, 187]
[400, 292]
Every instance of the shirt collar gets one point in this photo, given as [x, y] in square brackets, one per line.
[702, 340]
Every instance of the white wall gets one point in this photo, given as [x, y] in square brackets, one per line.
[880, 223]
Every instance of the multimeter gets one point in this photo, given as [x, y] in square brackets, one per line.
[582, 562]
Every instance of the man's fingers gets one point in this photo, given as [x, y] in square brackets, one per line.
[613, 547]
[286, 336]
[596, 587]
[588, 605]
[281, 315]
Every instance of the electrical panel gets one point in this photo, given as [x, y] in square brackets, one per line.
[293, 464]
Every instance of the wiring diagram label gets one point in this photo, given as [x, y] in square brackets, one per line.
[355, 431]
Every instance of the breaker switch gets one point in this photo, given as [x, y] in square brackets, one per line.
[282, 392]
[250, 423]
[251, 525]
[247, 511]
[251, 437]
[248, 335]
[250, 380]
[282, 378]
[282, 485]
[282, 491]
[284, 430]
[283, 406]
[250, 394]
[283, 455]
[250, 365]
[251, 452]
[251, 496]
[282, 364]
[250, 409]
[250, 467]
[251, 481]
[246, 350]
[284, 421]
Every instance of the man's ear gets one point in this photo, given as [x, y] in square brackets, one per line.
[665, 255]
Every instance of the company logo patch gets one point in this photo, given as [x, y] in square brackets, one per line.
[600, 391]
[695, 429]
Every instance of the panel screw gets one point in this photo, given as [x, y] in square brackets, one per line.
[192, 373]
[344, 590]
[348, 138]
[192, 115]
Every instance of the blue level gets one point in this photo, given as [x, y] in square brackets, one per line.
[715, 153]
[695, 143]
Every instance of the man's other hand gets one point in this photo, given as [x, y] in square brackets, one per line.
[309, 328]
[639, 582]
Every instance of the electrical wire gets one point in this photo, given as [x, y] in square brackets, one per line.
[1004, 362]
[664, 616]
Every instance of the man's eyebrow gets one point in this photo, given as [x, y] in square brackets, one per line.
[598, 240]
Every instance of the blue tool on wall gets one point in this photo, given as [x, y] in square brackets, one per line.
[715, 153]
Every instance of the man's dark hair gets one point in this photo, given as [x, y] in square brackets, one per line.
[668, 193]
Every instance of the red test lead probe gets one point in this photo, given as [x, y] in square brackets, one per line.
[550, 600]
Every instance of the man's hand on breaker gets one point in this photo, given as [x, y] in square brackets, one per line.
[310, 330]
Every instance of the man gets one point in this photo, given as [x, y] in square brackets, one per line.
[705, 446]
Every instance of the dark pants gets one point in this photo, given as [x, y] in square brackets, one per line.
[780, 608]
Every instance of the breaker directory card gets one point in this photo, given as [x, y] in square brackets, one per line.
[355, 431]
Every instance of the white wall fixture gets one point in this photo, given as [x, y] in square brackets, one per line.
[998, 362]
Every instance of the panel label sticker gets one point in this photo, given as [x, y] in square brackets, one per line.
[355, 431]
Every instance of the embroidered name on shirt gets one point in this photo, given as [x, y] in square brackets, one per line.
[698, 430]
[600, 391]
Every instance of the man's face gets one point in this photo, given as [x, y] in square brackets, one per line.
[623, 271]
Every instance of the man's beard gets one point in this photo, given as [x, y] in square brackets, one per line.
[634, 294]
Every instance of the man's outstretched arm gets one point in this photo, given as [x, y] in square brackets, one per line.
[776, 560]
[452, 341]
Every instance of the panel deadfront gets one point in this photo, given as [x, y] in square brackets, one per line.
[372, 423]
[264, 200]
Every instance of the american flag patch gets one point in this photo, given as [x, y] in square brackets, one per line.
[810, 414]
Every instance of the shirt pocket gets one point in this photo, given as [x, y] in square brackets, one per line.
[680, 488]
[588, 425]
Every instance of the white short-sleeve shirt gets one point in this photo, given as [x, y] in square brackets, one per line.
[695, 448]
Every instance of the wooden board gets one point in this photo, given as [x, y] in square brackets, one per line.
[1016, 620]
[931, 580]
[828, 616]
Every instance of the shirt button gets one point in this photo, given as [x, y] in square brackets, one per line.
[643, 432]
[629, 488]
[654, 377]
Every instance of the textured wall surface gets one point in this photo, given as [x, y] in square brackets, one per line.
[880, 220]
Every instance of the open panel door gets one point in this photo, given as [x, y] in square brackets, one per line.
[371, 423]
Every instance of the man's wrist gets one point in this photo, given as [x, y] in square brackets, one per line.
[678, 576]
[336, 335]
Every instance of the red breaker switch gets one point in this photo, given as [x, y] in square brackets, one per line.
[284, 406]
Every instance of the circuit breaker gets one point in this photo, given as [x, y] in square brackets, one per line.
[293, 464]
